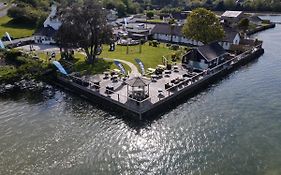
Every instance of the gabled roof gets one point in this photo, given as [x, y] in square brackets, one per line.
[166, 29]
[46, 31]
[211, 51]
[179, 16]
[232, 14]
[138, 82]
[230, 34]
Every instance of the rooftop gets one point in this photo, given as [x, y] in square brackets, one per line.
[166, 29]
[211, 51]
[232, 14]
[138, 82]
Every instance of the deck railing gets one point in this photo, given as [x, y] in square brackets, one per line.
[108, 92]
[185, 83]
[215, 69]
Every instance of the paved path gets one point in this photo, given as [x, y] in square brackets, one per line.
[134, 69]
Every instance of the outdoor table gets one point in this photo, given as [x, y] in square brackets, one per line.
[176, 69]
[154, 77]
[106, 74]
[114, 78]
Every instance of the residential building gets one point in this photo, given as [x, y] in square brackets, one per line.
[204, 57]
[232, 37]
[46, 34]
[168, 33]
[232, 17]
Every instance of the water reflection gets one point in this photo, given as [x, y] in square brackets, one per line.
[232, 127]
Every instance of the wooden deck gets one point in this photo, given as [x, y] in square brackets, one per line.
[187, 83]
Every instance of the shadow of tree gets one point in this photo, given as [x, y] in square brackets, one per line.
[97, 68]
[18, 25]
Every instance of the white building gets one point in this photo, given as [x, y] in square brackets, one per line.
[232, 37]
[204, 57]
[166, 33]
[46, 34]
[232, 17]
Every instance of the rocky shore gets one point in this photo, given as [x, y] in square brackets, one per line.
[24, 86]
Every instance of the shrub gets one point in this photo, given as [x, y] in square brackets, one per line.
[11, 57]
[174, 47]
[155, 43]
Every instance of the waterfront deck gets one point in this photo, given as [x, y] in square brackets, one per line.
[180, 81]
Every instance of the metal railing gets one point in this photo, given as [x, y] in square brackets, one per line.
[215, 69]
[108, 92]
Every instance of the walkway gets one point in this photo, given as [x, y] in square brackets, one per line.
[134, 70]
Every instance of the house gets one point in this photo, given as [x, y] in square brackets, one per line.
[204, 57]
[232, 17]
[52, 24]
[232, 37]
[46, 34]
[166, 33]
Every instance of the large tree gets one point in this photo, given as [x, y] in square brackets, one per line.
[84, 26]
[203, 25]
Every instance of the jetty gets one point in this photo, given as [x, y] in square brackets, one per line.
[142, 97]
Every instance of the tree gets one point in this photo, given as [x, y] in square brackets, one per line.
[149, 14]
[203, 25]
[84, 26]
[244, 24]
[172, 24]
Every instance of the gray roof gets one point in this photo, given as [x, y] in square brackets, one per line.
[138, 82]
[232, 14]
[46, 31]
[211, 51]
[230, 34]
[166, 29]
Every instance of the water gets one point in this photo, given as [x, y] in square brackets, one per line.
[233, 127]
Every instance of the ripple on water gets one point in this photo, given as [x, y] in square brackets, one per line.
[233, 127]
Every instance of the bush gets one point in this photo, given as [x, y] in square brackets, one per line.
[265, 21]
[168, 45]
[174, 47]
[11, 57]
[150, 14]
[155, 43]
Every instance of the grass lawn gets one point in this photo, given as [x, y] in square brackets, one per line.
[15, 30]
[99, 67]
[155, 21]
[151, 56]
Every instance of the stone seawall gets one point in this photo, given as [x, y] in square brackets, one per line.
[272, 25]
[176, 99]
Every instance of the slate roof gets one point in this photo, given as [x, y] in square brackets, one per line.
[230, 34]
[211, 51]
[179, 16]
[138, 82]
[232, 14]
[46, 31]
[166, 29]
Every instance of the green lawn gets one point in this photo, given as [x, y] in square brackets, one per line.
[15, 30]
[99, 67]
[151, 56]
[155, 20]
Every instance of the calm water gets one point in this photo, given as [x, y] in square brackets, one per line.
[234, 127]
